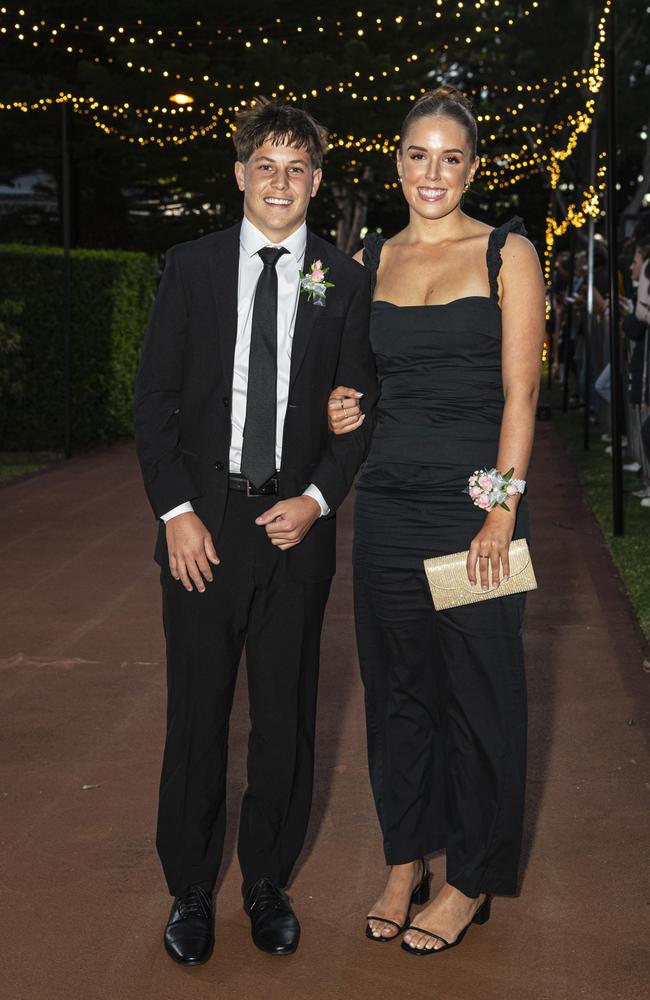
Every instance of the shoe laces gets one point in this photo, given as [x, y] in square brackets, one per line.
[195, 902]
[266, 894]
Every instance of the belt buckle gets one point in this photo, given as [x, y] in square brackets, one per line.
[272, 490]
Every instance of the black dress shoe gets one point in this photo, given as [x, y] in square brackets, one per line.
[274, 925]
[189, 934]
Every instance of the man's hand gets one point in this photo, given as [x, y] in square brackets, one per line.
[191, 551]
[288, 521]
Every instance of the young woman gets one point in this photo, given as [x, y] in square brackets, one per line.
[457, 330]
[635, 329]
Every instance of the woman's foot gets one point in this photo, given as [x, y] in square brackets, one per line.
[447, 916]
[395, 900]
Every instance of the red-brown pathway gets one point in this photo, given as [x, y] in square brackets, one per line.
[83, 904]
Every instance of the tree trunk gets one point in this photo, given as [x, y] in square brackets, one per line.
[352, 206]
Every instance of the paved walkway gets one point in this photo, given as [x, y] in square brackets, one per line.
[82, 902]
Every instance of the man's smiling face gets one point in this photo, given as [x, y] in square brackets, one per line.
[278, 182]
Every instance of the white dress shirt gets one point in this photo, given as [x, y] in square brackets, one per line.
[251, 240]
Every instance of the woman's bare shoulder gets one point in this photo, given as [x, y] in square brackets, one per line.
[519, 253]
[521, 270]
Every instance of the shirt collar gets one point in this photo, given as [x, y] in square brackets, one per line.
[252, 240]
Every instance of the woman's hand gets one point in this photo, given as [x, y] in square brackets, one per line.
[344, 410]
[490, 548]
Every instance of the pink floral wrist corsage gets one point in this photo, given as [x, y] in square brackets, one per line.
[488, 488]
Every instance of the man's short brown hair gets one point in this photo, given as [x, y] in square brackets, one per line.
[282, 124]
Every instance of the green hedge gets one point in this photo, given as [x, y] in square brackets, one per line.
[112, 292]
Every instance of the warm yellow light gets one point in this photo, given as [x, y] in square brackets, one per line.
[181, 99]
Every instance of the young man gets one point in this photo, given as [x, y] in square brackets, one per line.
[231, 428]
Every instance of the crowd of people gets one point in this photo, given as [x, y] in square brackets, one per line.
[580, 350]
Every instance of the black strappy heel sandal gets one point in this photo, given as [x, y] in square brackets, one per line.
[481, 916]
[419, 896]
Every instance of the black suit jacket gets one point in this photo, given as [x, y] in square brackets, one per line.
[184, 384]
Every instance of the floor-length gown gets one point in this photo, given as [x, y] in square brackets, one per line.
[445, 691]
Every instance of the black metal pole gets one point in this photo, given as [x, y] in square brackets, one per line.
[590, 289]
[67, 283]
[612, 240]
[550, 357]
[567, 326]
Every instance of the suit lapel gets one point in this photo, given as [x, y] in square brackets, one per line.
[224, 272]
[308, 313]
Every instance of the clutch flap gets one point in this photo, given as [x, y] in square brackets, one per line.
[450, 573]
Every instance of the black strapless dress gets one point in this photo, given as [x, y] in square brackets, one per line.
[445, 691]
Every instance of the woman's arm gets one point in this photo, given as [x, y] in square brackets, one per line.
[344, 407]
[523, 309]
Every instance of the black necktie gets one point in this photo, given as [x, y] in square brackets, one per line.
[258, 450]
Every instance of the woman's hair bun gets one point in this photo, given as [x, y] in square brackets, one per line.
[448, 102]
[450, 93]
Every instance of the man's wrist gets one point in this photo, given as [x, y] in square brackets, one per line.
[315, 494]
[182, 508]
[313, 505]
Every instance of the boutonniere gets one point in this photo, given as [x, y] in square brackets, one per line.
[314, 283]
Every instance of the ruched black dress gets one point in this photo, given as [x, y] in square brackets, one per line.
[445, 691]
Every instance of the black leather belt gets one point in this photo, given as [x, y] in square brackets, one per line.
[268, 489]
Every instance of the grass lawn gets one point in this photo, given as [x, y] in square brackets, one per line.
[14, 464]
[594, 468]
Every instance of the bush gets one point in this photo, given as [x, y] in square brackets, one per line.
[12, 364]
[112, 293]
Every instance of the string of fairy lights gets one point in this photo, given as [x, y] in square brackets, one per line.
[37, 33]
[40, 31]
[593, 198]
[170, 116]
[541, 148]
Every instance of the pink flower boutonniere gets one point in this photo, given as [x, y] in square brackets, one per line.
[314, 283]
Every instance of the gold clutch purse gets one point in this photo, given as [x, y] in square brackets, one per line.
[450, 588]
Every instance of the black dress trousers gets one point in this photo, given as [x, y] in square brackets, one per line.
[251, 603]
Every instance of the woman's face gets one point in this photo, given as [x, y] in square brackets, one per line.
[435, 164]
[636, 265]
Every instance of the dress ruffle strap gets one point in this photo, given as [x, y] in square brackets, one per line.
[372, 245]
[496, 241]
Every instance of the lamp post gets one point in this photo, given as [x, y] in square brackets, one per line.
[590, 289]
[67, 279]
[612, 240]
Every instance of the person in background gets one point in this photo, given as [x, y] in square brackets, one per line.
[635, 329]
